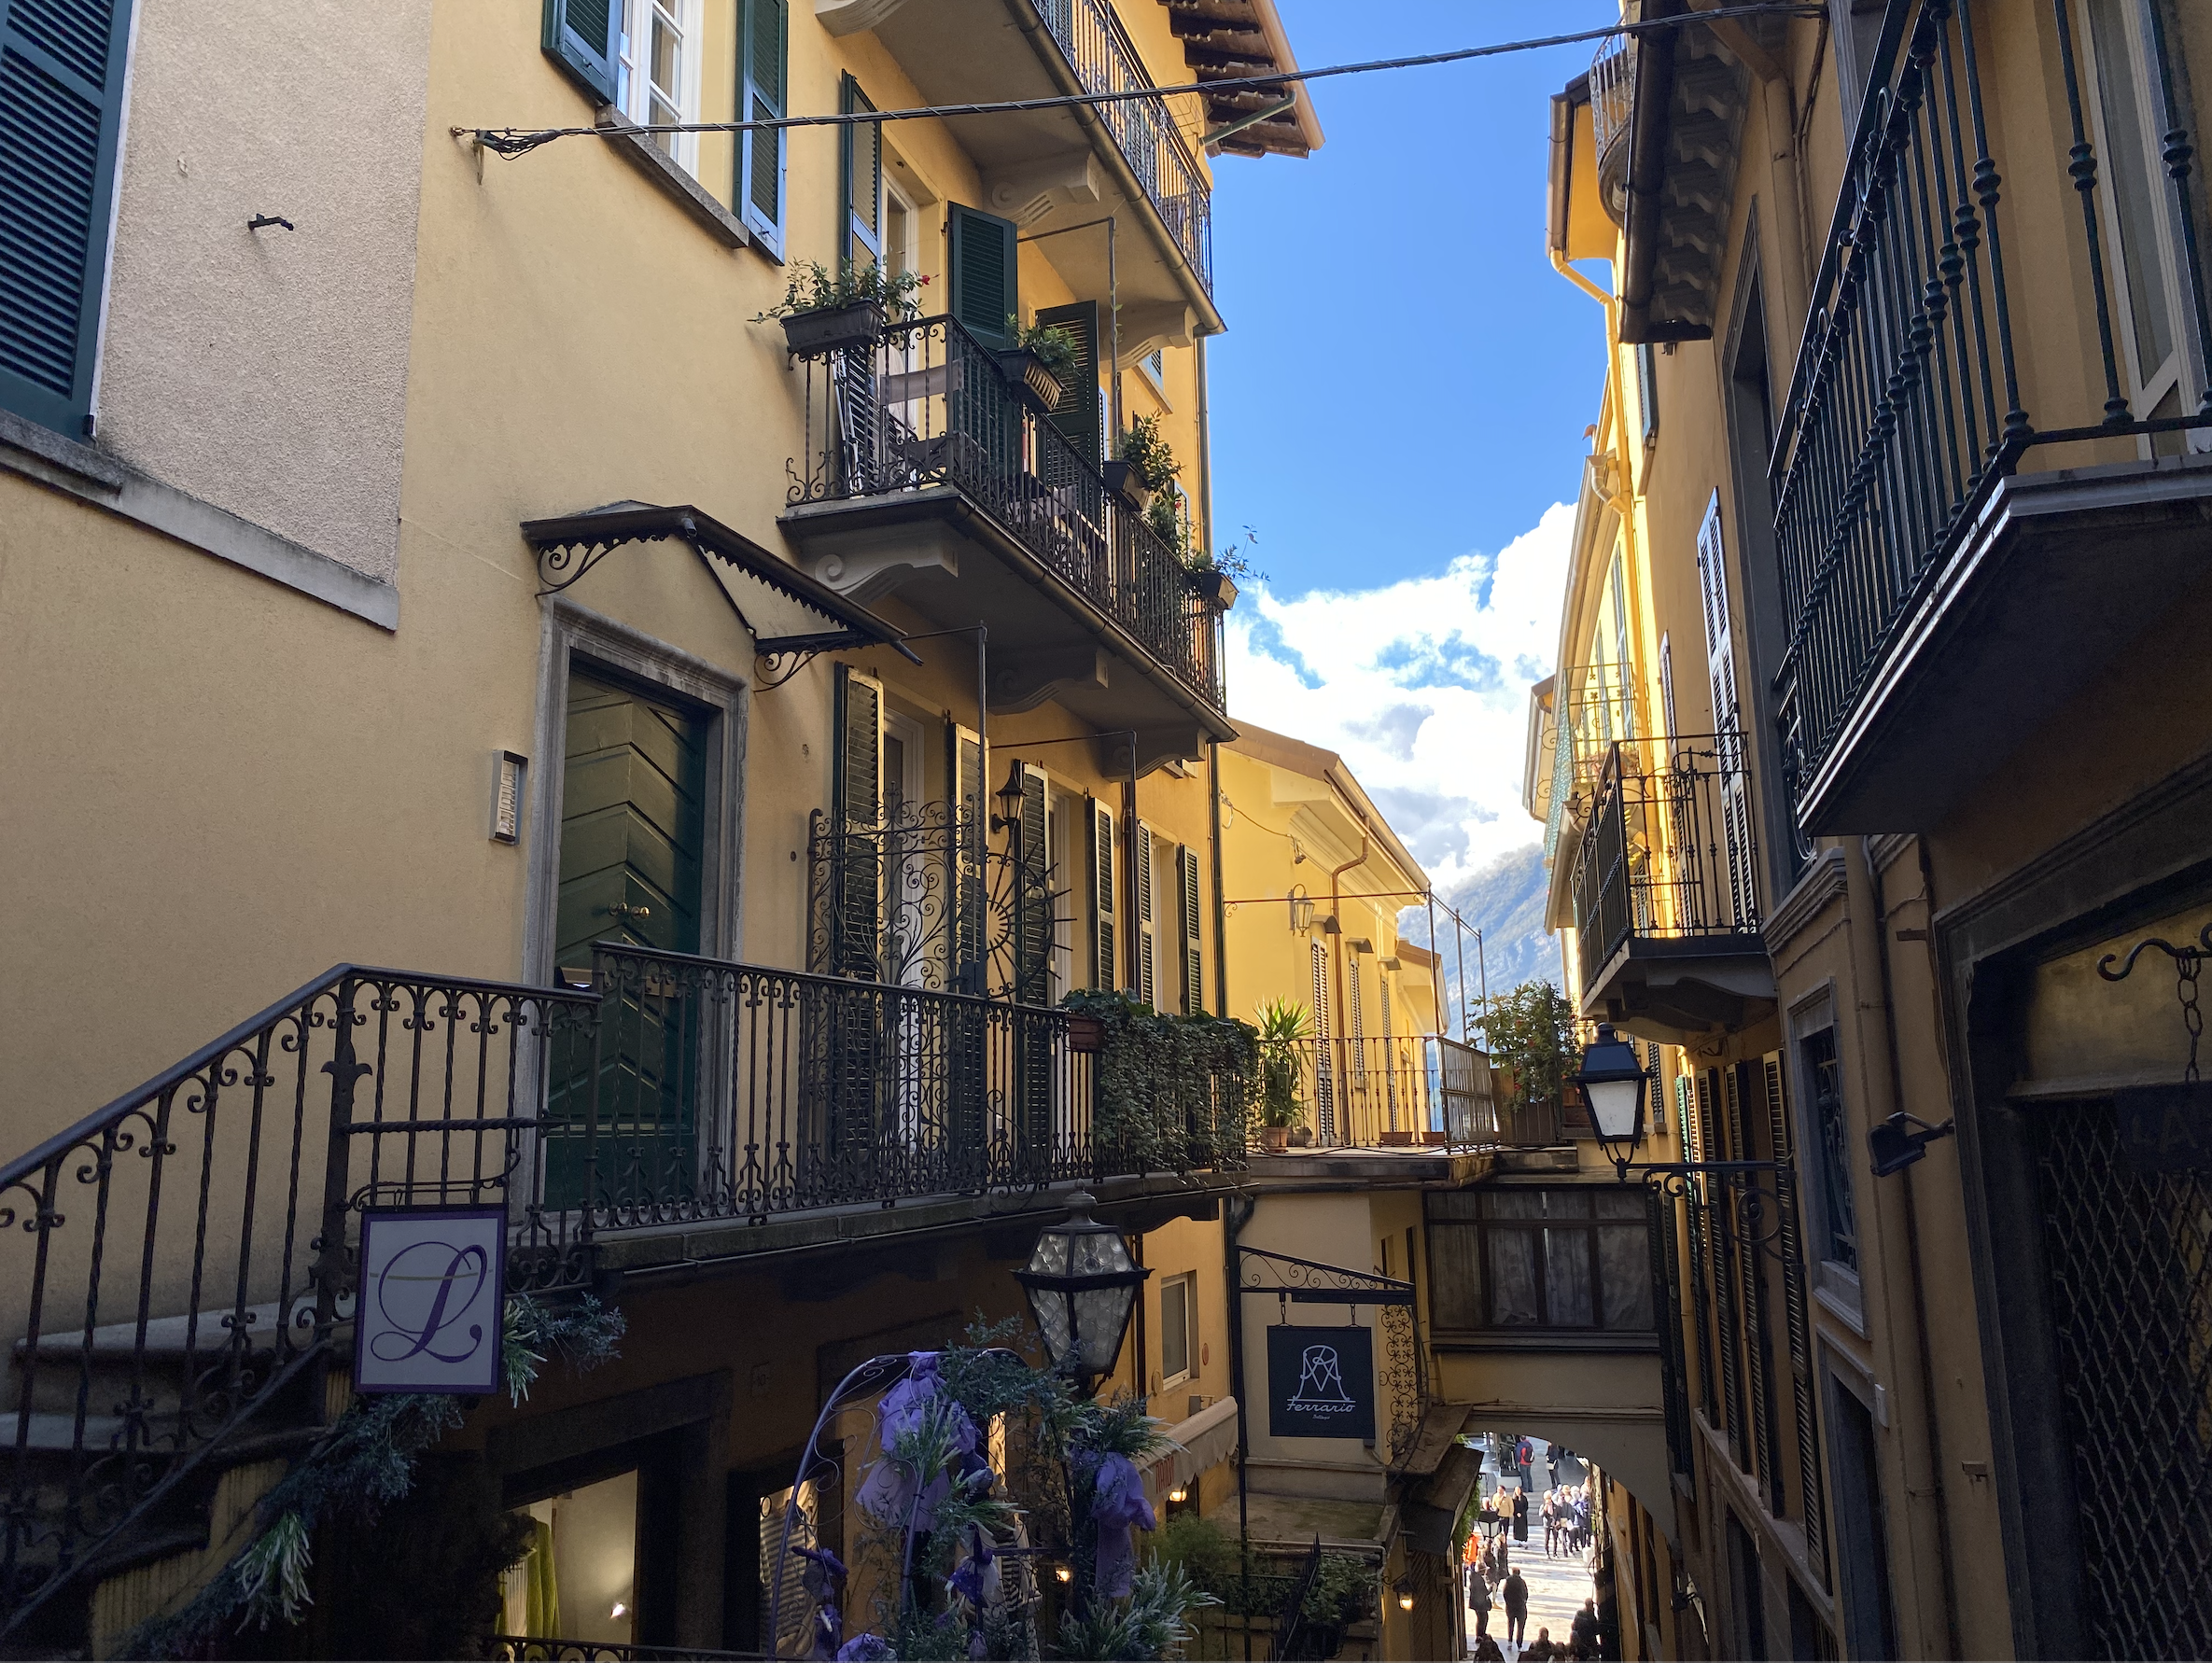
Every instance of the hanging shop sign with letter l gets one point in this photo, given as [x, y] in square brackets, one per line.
[1320, 1382]
[432, 1291]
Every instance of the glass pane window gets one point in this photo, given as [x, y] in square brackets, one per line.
[2138, 209]
[1513, 1301]
[1175, 1328]
[1567, 1279]
[1839, 1233]
[656, 74]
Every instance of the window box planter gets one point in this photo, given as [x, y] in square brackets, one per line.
[1039, 388]
[1121, 479]
[1216, 588]
[1086, 1035]
[829, 328]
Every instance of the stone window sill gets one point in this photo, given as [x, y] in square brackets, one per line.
[637, 148]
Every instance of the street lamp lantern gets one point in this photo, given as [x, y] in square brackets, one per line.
[1613, 1082]
[1082, 1286]
[1405, 1590]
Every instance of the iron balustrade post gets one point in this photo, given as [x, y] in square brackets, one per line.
[334, 1270]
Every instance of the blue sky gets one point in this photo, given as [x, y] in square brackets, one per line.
[1398, 406]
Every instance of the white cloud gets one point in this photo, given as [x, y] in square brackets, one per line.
[1422, 684]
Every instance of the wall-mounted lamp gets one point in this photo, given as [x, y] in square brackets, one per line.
[1892, 1147]
[507, 796]
[1179, 1495]
[1009, 797]
[1301, 910]
[620, 1609]
[1065, 1573]
[1404, 1590]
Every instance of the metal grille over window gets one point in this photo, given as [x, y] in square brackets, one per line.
[2130, 1264]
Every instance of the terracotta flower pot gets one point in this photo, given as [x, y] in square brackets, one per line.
[1275, 1140]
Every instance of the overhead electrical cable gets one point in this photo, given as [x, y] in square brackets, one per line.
[513, 141]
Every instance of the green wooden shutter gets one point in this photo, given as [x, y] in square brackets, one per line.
[1141, 880]
[1102, 888]
[964, 774]
[1077, 414]
[856, 798]
[1194, 984]
[763, 85]
[860, 181]
[986, 283]
[1033, 926]
[60, 117]
[584, 37]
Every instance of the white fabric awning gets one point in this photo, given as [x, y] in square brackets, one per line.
[1203, 1441]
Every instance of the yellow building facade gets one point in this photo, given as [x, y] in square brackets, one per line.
[427, 548]
[1848, 784]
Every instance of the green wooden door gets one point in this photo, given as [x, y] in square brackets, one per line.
[633, 834]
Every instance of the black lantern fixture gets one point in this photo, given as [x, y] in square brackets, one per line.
[1613, 1082]
[1896, 1144]
[1404, 1590]
[1082, 1286]
[1009, 796]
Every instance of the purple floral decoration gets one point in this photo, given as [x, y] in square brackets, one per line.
[1118, 1503]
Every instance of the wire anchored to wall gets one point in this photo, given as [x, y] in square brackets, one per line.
[513, 142]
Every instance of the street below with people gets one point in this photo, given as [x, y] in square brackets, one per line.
[1528, 1574]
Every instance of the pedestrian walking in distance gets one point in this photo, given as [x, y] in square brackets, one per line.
[1586, 1628]
[1516, 1607]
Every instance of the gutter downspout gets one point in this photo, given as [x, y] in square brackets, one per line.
[1913, 1259]
[1335, 912]
[1221, 910]
[1235, 1214]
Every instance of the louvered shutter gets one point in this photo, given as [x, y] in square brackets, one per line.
[1720, 668]
[1140, 877]
[62, 64]
[762, 80]
[860, 180]
[1032, 888]
[856, 809]
[1194, 983]
[584, 37]
[964, 774]
[1076, 415]
[986, 279]
[1102, 888]
[1324, 1063]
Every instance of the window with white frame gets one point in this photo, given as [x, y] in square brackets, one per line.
[657, 73]
[2141, 219]
[1179, 1327]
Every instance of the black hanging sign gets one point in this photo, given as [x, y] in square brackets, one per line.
[1320, 1382]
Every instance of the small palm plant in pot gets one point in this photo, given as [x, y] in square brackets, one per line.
[1282, 1029]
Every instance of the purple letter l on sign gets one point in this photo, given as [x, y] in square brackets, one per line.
[433, 1288]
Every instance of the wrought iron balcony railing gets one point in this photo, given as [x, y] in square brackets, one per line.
[1906, 404]
[930, 405]
[1669, 850]
[1591, 707]
[1612, 109]
[1103, 60]
[178, 1263]
[1376, 1092]
[183, 1262]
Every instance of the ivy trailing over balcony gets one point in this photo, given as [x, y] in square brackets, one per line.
[1173, 1091]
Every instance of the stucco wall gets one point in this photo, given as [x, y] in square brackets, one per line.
[266, 370]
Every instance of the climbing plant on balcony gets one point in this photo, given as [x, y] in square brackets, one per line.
[1172, 1091]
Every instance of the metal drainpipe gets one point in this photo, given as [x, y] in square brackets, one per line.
[1221, 911]
[1337, 912]
[1912, 1260]
[1237, 1212]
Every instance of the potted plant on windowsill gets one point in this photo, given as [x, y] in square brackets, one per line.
[1282, 1029]
[822, 313]
[1043, 363]
[1145, 467]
